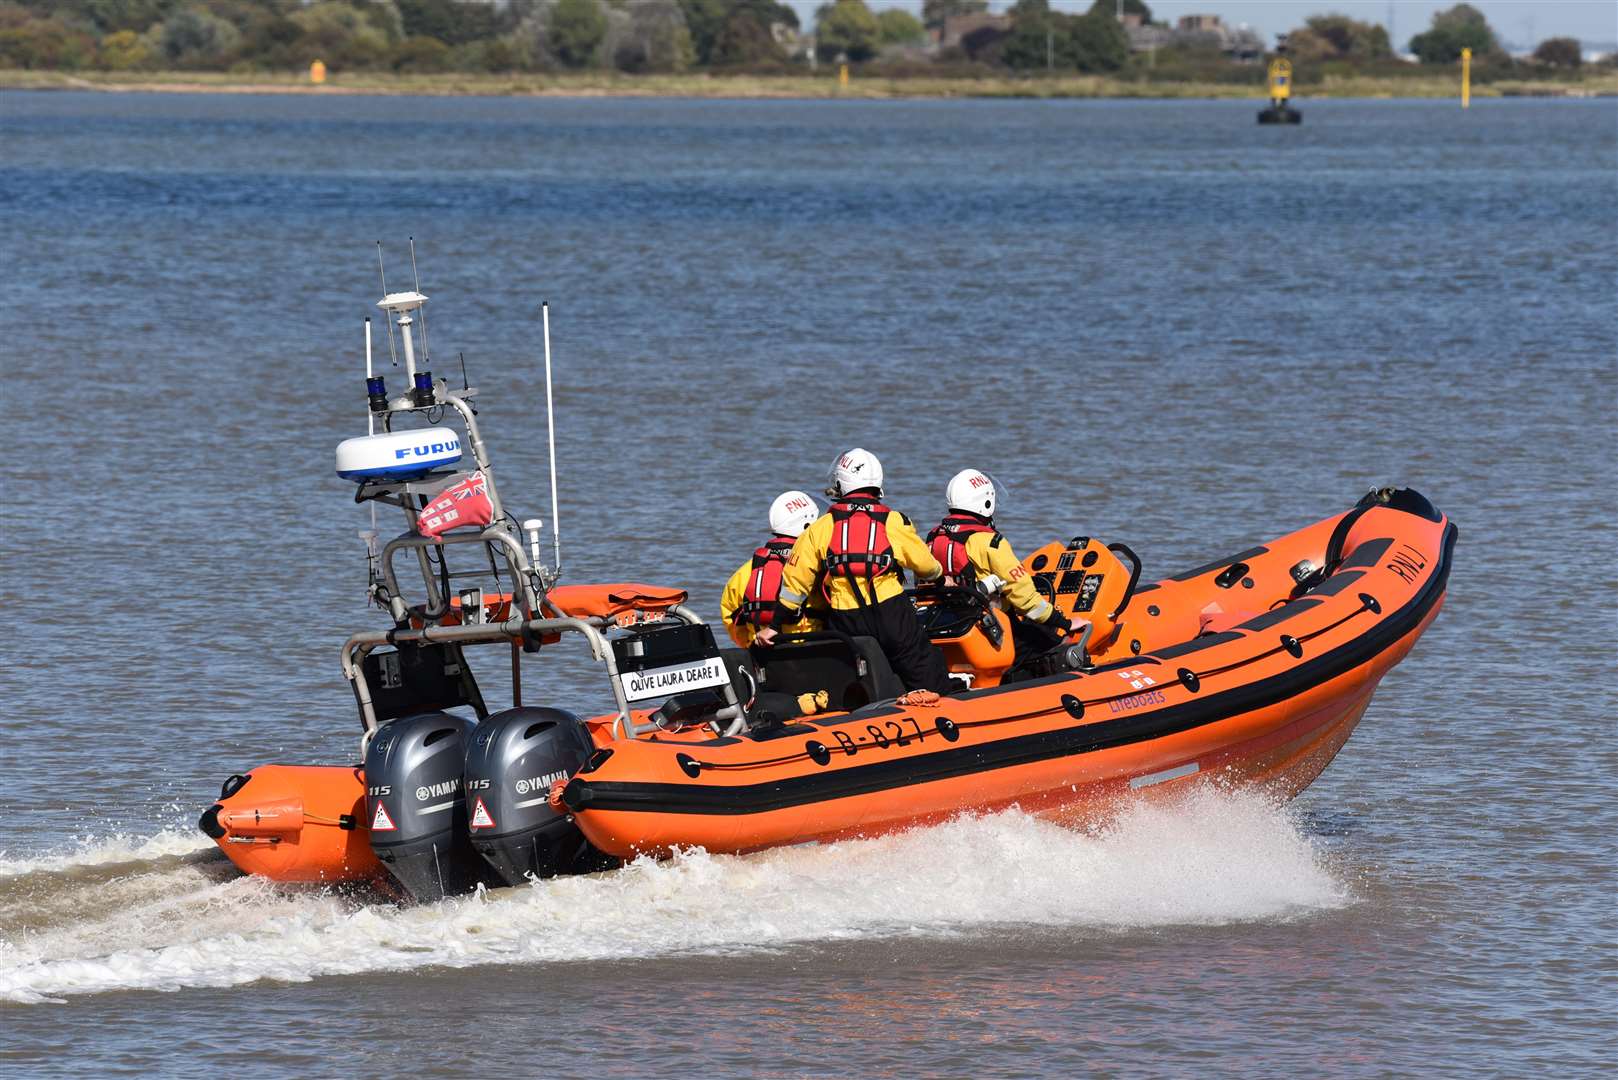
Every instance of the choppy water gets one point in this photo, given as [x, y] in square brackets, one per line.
[1157, 322]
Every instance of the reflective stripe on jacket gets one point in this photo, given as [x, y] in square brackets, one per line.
[991, 554]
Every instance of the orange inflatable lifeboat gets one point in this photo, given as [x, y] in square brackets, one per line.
[1252, 669]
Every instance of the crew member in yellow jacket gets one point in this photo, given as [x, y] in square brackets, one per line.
[749, 600]
[974, 554]
[857, 551]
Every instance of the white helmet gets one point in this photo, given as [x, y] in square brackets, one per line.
[856, 469]
[791, 513]
[971, 491]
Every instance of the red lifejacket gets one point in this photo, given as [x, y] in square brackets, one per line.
[948, 543]
[764, 583]
[859, 546]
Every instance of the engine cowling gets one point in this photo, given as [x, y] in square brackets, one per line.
[416, 808]
[512, 760]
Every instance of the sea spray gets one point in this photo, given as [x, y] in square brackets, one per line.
[1211, 858]
[99, 851]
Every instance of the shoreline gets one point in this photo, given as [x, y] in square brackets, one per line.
[755, 87]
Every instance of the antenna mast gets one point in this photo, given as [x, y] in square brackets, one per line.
[370, 414]
[550, 431]
[426, 349]
[393, 353]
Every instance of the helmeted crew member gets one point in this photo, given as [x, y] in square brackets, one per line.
[749, 600]
[973, 553]
[857, 549]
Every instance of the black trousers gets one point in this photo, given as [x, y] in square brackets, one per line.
[915, 660]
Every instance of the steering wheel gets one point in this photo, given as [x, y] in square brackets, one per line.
[1045, 586]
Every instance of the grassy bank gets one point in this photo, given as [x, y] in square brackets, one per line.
[602, 84]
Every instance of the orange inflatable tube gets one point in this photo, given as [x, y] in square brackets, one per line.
[295, 823]
[1322, 615]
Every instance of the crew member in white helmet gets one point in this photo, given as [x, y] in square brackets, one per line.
[856, 552]
[749, 600]
[974, 554]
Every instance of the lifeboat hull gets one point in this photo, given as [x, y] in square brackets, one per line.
[1266, 702]
[296, 823]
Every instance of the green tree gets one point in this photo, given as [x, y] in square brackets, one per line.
[1460, 27]
[745, 41]
[705, 20]
[275, 42]
[1560, 52]
[340, 34]
[194, 38]
[708, 21]
[846, 28]
[420, 53]
[934, 12]
[47, 44]
[1098, 42]
[648, 35]
[451, 22]
[123, 50]
[110, 16]
[1038, 36]
[575, 30]
[1131, 7]
[896, 26]
[1338, 37]
[1093, 42]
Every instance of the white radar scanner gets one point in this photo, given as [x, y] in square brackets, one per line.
[397, 455]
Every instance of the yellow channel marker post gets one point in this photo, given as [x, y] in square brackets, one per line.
[842, 77]
[1280, 111]
[1280, 80]
[1466, 78]
[317, 72]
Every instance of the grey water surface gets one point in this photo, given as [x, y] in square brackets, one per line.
[1154, 322]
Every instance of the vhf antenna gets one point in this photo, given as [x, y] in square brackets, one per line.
[550, 431]
[370, 414]
[426, 349]
[393, 353]
[370, 429]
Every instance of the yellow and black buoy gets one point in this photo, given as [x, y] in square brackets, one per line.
[1280, 112]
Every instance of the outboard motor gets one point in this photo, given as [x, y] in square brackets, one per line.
[511, 762]
[415, 805]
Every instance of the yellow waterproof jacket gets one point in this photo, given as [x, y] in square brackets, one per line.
[990, 553]
[743, 633]
[809, 559]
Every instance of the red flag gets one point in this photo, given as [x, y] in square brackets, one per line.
[463, 504]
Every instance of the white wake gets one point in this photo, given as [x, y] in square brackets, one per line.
[1213, 858]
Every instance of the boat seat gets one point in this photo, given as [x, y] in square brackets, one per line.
[852, 670]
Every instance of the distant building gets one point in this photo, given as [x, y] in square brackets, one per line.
[958, 29]
[1144, 37]
[1194, 32]
[790, 41]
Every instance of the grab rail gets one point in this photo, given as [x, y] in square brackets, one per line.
[359, 645]
[516, 560]
[1134, 577]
